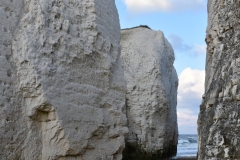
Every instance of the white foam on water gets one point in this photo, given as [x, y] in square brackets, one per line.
[183, 141]
[187, 146]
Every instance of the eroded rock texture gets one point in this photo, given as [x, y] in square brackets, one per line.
[219, 118]
[151, 94]
[62, 91]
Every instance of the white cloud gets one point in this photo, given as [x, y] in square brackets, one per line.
[190, 91]
[137, 6]
[200, 49]
[187, 118]
[191, 84]
[178, 44]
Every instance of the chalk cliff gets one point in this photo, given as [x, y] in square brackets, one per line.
[151, 94]
[219, 117]
[62, 89]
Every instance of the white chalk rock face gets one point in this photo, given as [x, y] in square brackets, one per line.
[62, 87]
[219, 117]
[151, 92]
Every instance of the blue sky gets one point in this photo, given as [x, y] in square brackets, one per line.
[184, 24]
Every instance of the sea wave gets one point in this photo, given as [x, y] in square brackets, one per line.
[181, 141]
[192, 141]
[187, 146]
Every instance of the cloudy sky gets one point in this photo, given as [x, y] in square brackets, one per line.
[184, 24]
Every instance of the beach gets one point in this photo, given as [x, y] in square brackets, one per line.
[185, 158]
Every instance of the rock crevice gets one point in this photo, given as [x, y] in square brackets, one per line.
[62, 85]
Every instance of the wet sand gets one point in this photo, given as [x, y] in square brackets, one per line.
[187, 158]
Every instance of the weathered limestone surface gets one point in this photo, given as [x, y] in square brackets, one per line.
[219, 117]
[62, 91]
[151, 93]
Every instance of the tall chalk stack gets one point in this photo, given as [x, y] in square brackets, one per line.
[62, 87]
[219, 117]
[151, 94]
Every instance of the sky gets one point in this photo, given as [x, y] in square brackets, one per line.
[183, 23]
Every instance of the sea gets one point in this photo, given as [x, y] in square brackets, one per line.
[187, 146]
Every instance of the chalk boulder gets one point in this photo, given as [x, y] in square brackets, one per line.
[151, 93]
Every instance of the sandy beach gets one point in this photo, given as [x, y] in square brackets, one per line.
[186, 158]
[193, 158]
